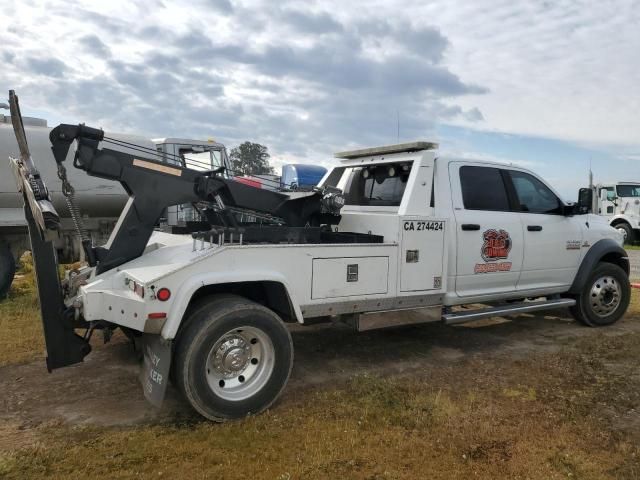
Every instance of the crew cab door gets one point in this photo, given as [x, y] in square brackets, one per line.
[552, 241]
[489, 236]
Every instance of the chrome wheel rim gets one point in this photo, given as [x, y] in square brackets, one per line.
[605, 296]
[240, 363]
[623, 231]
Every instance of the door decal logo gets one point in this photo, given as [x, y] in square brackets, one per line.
[496, 246]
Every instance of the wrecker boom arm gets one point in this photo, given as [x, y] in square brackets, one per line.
[153, 185]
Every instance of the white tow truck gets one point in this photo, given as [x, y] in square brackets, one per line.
[619, 203]
[392, 235]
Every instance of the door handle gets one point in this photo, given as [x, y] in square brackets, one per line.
[534, 228]
[470, 226]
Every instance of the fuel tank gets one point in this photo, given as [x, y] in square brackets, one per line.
[96, 197]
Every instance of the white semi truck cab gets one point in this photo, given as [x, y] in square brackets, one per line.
[619, 203]
[392, 235]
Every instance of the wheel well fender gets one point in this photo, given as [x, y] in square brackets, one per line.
[605, 250]
[618, 221]
[274, 294]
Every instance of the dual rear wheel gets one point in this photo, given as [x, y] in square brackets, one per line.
[233, 358]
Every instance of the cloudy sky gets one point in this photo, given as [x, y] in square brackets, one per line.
[553, 85]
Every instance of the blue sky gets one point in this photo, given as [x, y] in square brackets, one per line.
[548, 85]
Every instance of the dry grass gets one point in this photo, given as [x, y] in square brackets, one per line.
[567, 414]
[491, 422]
[21, 337]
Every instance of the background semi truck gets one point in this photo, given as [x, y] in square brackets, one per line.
[619, 203]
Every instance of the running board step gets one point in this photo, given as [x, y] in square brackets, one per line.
[502, 310]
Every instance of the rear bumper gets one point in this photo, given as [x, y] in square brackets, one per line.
[123, 308]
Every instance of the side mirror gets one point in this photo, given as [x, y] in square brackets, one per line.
[585, 201]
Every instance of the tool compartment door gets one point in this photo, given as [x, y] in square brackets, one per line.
[422, 254]
[349, 276]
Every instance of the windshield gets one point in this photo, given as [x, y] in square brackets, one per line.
[203, 160]
[628, 190]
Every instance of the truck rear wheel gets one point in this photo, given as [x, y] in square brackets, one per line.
[7, 270]
[233, 359]
[604, 298]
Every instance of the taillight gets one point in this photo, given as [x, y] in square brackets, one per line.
[163, 294]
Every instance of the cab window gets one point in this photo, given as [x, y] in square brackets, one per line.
[628, 190]
[483, 188]
[380, 185]
[533, 195]
[611, 195]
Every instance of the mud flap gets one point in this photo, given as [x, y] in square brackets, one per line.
[155, 368]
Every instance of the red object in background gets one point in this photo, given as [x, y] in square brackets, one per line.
[249, 181]
[635, 285]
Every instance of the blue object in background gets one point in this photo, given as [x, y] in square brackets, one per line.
[300, 176]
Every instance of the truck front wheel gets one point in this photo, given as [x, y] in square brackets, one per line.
[233, 359]
[626, 231]
[7, 270]
[604, 298]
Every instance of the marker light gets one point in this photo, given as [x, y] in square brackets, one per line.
[163, 294]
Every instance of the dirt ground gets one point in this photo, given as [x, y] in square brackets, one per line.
[95, 391]
[538, 396]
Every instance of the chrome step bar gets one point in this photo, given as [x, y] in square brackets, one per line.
[502, 310]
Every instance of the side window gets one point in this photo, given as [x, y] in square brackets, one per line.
[483, 189]
[533, 195]
[611, 195]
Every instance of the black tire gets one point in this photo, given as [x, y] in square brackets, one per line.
[592, 307]
[210, 324]
[625, 228]
[7, 270]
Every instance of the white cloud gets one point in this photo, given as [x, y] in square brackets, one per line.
[311, 78]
